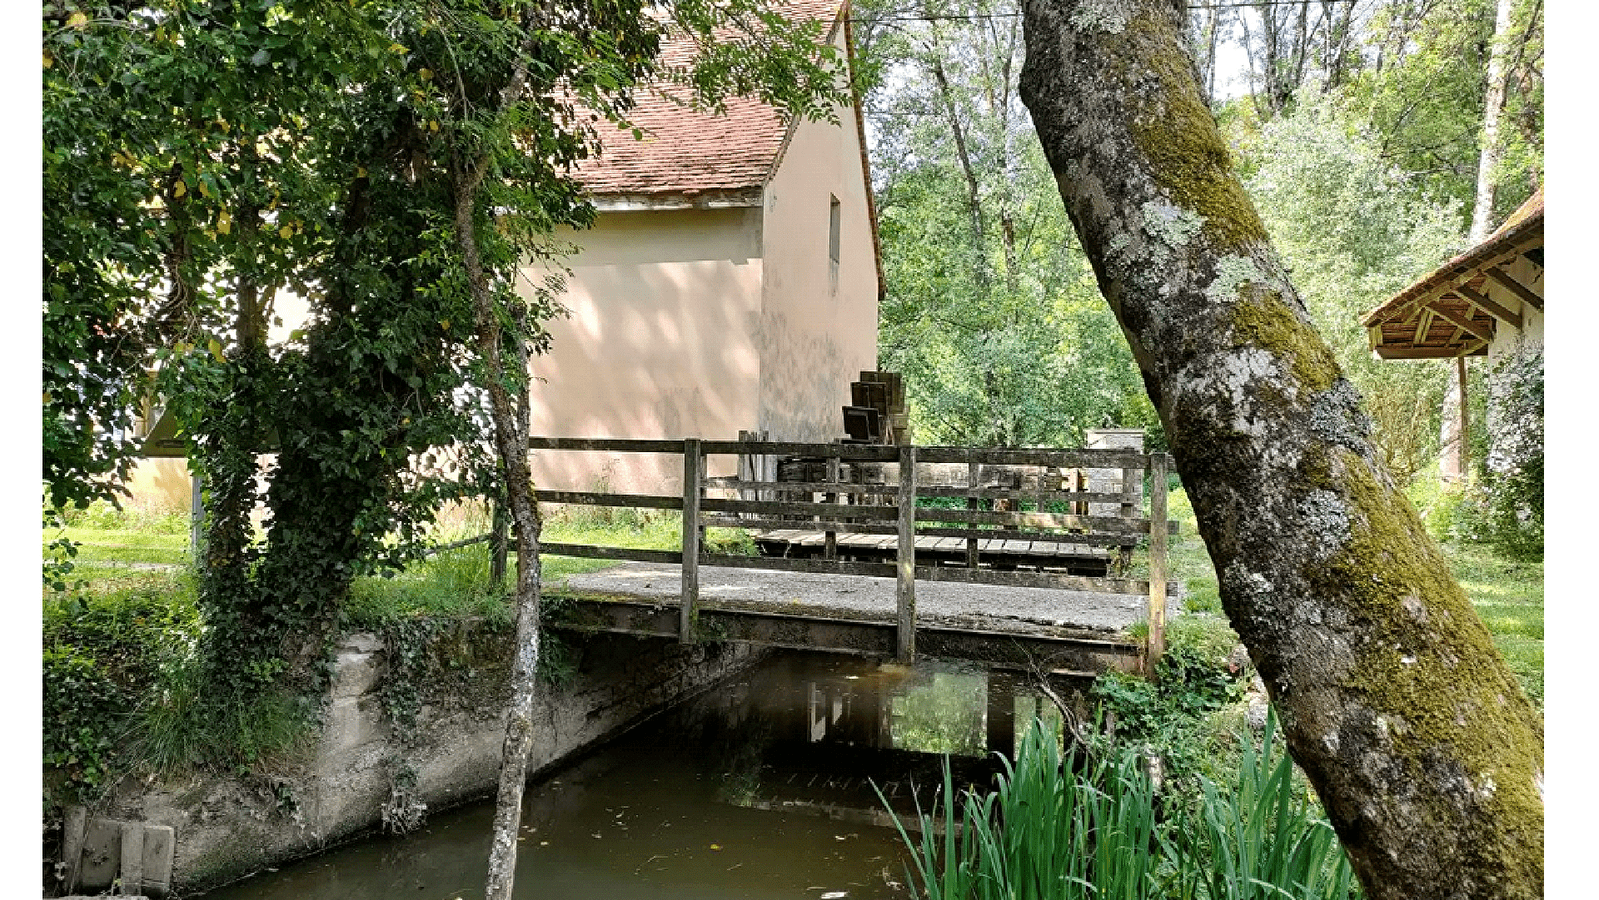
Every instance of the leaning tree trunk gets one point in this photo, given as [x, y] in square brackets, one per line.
[1424, 750]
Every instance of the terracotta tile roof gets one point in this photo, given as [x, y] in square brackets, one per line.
[686, 153]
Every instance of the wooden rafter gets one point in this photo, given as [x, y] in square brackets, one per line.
[1483, 302]
[1508, 282]
[1423, 322]
[1465, 324]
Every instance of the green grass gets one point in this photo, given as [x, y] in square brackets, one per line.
[125, 545]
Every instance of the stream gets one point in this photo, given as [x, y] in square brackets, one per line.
[764, 787]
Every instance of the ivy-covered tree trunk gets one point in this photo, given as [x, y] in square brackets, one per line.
[1421, 745]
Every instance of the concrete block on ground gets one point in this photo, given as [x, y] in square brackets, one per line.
[132, 856]
[160, 843]
[101, 856]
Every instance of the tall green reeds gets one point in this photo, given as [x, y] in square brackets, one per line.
[1263, 838]
[1060, 827]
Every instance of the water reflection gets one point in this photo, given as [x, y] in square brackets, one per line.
[764, 787]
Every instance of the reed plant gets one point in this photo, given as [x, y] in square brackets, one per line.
[1066, 826]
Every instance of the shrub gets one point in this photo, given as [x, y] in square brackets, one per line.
[85, 712]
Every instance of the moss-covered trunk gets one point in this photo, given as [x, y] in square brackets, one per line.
[1425, 752]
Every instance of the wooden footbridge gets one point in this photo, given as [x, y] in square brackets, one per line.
[1013, 558]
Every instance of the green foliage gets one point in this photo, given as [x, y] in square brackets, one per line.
[203, 157]
[1176, 715]
[1354, 230]
[1062, 827]
[1046, 832]
[84, 715]
[990, 311]
[1262, 836]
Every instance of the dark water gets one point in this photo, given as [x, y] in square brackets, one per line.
[762, 788]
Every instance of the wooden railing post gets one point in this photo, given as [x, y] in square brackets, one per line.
[973, 473]
[830, 538]
[1157, 558]
[906, 595]
[1131, 479]
[693, 483]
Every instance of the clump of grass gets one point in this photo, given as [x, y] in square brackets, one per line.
[1060, 827]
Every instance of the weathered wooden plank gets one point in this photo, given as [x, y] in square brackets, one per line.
[614, 445]
[813, 487]
[1109, 524]
[1481, 349]
[905, 593]
[1066, 459]
[832, 511]
[868, 452]
[590, 498]
[1035, 579]
[816, 527]
[587, 551]
[973, 472]
[693, 469]
[1003, 494]
[1488, 305]
[1157, 560]
[1465, 323]
[1508, 282]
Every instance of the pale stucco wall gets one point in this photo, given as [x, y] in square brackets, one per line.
[661, 343]
[816, 336]
[1507, 339]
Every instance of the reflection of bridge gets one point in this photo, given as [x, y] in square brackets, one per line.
[977, 598]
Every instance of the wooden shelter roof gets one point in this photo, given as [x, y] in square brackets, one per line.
[1456, 310]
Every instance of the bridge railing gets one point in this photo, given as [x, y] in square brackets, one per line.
[857, 497]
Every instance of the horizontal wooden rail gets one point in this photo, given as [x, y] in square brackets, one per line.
[1062, 459]
[588, 551]
[613, 445]
[798, 508]
[1039, 520]
[996, 534]
[863, 452]
[590, 498]
[806, 487]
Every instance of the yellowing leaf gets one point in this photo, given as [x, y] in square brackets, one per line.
[425, 74]
[216, 350]
[179, 189]
[445, 324]
[224, 222]
[286, 232]
[716, 846]
[360, 171]
[47, 396]
[48, 59]
[275, 196]
[77, 20]
[433, 124]
[396, 48]
[204, 190]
